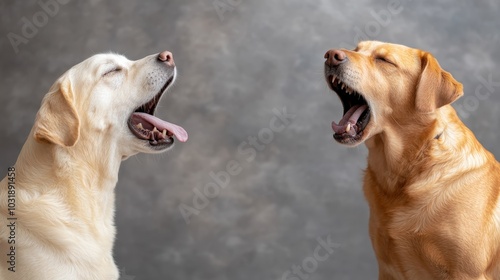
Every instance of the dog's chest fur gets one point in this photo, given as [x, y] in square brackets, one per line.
[430, 231]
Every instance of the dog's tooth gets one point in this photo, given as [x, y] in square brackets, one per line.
[164, 133]
[342, 86]
[352, 131]
[348, 128]
[139, 125]
[333, 78]
[155, 129]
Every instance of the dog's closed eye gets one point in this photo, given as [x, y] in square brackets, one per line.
[384, 60]
[112, 71]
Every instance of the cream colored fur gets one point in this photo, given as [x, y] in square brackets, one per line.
[68, 168]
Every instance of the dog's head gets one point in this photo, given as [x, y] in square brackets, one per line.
[111, 99]
[381, 84]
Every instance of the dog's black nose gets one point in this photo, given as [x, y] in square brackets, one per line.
[335, 57]
[167, 58]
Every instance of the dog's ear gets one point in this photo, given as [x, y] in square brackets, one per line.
[436, 87]
[57, 121]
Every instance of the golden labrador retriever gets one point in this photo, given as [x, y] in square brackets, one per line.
[433, 190]
[97, 114]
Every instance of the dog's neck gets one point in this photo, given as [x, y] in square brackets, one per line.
[85, 164]
[397, 155]
[85, 175]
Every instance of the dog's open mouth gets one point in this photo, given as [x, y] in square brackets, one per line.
[145, 126]
[356, 112]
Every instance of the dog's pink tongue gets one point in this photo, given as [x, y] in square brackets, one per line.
[349, 120]
[176, 130]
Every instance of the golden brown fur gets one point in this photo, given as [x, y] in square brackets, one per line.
[433, 190]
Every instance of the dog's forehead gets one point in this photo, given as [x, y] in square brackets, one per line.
[382, 48]
[96, 61]
[368, 45]
[108, 58]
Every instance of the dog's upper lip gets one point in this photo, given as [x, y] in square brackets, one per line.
[144, 125]
[150, 106]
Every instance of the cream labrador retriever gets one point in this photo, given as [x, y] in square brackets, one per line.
[433, 190]
[97, 114]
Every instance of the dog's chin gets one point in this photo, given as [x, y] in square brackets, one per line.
[147, 147]
[359, 133]
[133, 146]
[353, 141]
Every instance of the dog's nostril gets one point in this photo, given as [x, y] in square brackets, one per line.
[166, 57]
[335, 57]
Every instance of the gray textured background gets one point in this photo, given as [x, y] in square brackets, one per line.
[234, 70]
